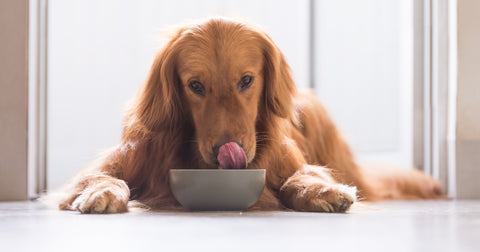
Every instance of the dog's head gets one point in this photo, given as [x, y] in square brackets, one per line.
[222, 77]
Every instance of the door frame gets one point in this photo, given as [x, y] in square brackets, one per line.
[37, 97]
[435, 89]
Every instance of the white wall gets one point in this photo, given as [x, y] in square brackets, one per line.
[99, 53]
[13, 99]
[364, 74]
[468, 102]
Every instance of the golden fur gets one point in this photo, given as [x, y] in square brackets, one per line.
[309, 166]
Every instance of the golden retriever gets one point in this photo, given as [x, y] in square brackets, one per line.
[221, 83]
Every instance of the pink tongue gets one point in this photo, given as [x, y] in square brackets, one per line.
[231, 156]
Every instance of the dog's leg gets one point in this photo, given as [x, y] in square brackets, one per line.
[98, 188]
[96, 193]
[304, 187]
[313, 189]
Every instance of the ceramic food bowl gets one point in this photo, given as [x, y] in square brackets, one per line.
[217, 190]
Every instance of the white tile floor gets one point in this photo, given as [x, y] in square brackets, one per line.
[389, 226]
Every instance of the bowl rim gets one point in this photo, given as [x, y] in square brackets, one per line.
[217, 170]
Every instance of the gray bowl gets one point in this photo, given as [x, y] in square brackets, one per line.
[217, 190]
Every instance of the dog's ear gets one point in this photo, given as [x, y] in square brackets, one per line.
[279, 86]
[157, 104]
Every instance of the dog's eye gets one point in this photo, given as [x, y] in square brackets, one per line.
[197, 87]
[245, 82]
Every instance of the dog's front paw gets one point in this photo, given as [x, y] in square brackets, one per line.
[319, 197]
[333, 199]
[109, 196]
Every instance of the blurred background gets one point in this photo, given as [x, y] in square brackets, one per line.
[357, 56]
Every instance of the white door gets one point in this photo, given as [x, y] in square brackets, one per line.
[364, 75]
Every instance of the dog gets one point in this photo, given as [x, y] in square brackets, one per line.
[223, 82]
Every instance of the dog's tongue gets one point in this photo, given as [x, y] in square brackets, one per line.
[231, 156]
